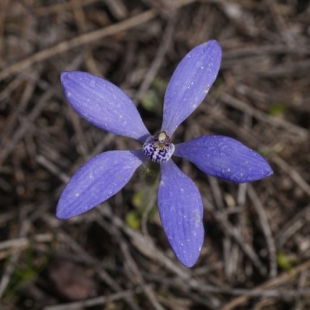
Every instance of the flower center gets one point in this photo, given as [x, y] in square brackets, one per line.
[158, 148]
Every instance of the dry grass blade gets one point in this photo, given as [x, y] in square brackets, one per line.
[83, 40]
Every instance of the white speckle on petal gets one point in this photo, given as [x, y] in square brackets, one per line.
[197, 218]
[68, 94]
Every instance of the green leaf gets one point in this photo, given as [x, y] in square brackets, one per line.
[283, 261]
[133, 220]
[277, 109]
[152, 99]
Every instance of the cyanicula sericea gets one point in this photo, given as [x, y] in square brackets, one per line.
[179, 202]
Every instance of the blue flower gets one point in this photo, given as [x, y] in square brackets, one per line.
[179, 202]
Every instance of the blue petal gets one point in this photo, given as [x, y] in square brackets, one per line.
[181, 211]
[225, 158]
[97, 180]
[190, 84]
[103, 104]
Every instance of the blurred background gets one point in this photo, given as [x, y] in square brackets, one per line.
[256, 253]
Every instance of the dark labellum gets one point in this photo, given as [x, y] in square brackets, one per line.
[158, 148]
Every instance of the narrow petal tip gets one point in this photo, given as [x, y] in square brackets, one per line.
[63, 75]
[61, 212]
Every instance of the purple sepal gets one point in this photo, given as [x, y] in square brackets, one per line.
[181, 213]
[103, 104]
[97, 180]
[225, 158]
[190, 84]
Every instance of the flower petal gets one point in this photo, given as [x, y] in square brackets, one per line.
[225, 158]
[190, 84]
[181, 211]
[103, 104]
[97, 180]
